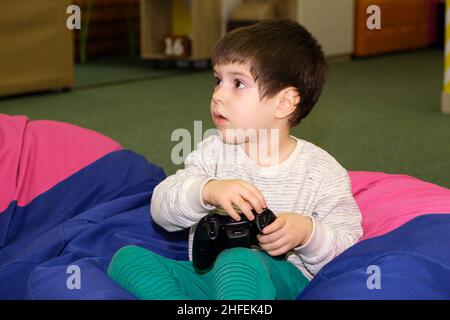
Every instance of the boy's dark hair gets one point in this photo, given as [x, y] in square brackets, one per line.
[281, 54]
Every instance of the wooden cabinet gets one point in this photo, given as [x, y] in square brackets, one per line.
[404, 25]
[36, 47]
[158, 20]
[330, 21]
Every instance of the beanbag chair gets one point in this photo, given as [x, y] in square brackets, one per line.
[72, 197]
[405, 249]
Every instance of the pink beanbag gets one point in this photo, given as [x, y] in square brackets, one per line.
[387, 201]
[36, 155]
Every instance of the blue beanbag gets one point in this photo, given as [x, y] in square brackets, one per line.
[411, 262]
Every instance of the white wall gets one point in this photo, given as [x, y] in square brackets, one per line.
[331, 22]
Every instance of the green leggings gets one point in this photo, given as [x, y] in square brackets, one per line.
[237, 274]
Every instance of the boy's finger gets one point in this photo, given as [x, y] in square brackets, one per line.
[244, 207]
[252, 199]
[269, 238]
[255, 191]
[274, 226]
[231, 212]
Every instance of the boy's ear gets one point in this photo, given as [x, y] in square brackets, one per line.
[289, 100]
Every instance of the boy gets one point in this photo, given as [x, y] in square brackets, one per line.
[268, 78]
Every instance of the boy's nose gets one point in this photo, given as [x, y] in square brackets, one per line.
[218, 96]
[216, 100]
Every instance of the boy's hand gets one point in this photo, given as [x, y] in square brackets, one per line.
[288, 231]
[225, 193]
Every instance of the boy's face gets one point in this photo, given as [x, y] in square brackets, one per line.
[235, 102]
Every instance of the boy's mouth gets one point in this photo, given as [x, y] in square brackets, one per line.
[218, 117]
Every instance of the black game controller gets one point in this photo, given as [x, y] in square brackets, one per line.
[216, 232]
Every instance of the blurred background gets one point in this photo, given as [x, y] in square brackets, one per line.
[136, 70]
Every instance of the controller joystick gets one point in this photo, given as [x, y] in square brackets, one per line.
[216, 232]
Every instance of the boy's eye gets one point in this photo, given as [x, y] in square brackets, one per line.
[239, 84]
[217, 81]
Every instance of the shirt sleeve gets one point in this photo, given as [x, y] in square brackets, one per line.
[336, 223]
[176, 202]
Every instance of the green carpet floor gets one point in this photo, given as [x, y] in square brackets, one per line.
[376, 114]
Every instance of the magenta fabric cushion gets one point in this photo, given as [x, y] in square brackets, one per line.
[387, 201]
[36, 155]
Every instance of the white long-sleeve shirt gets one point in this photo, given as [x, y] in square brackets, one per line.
[309, 182]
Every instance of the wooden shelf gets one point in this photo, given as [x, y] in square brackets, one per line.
[156, 24]
[110, 27]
